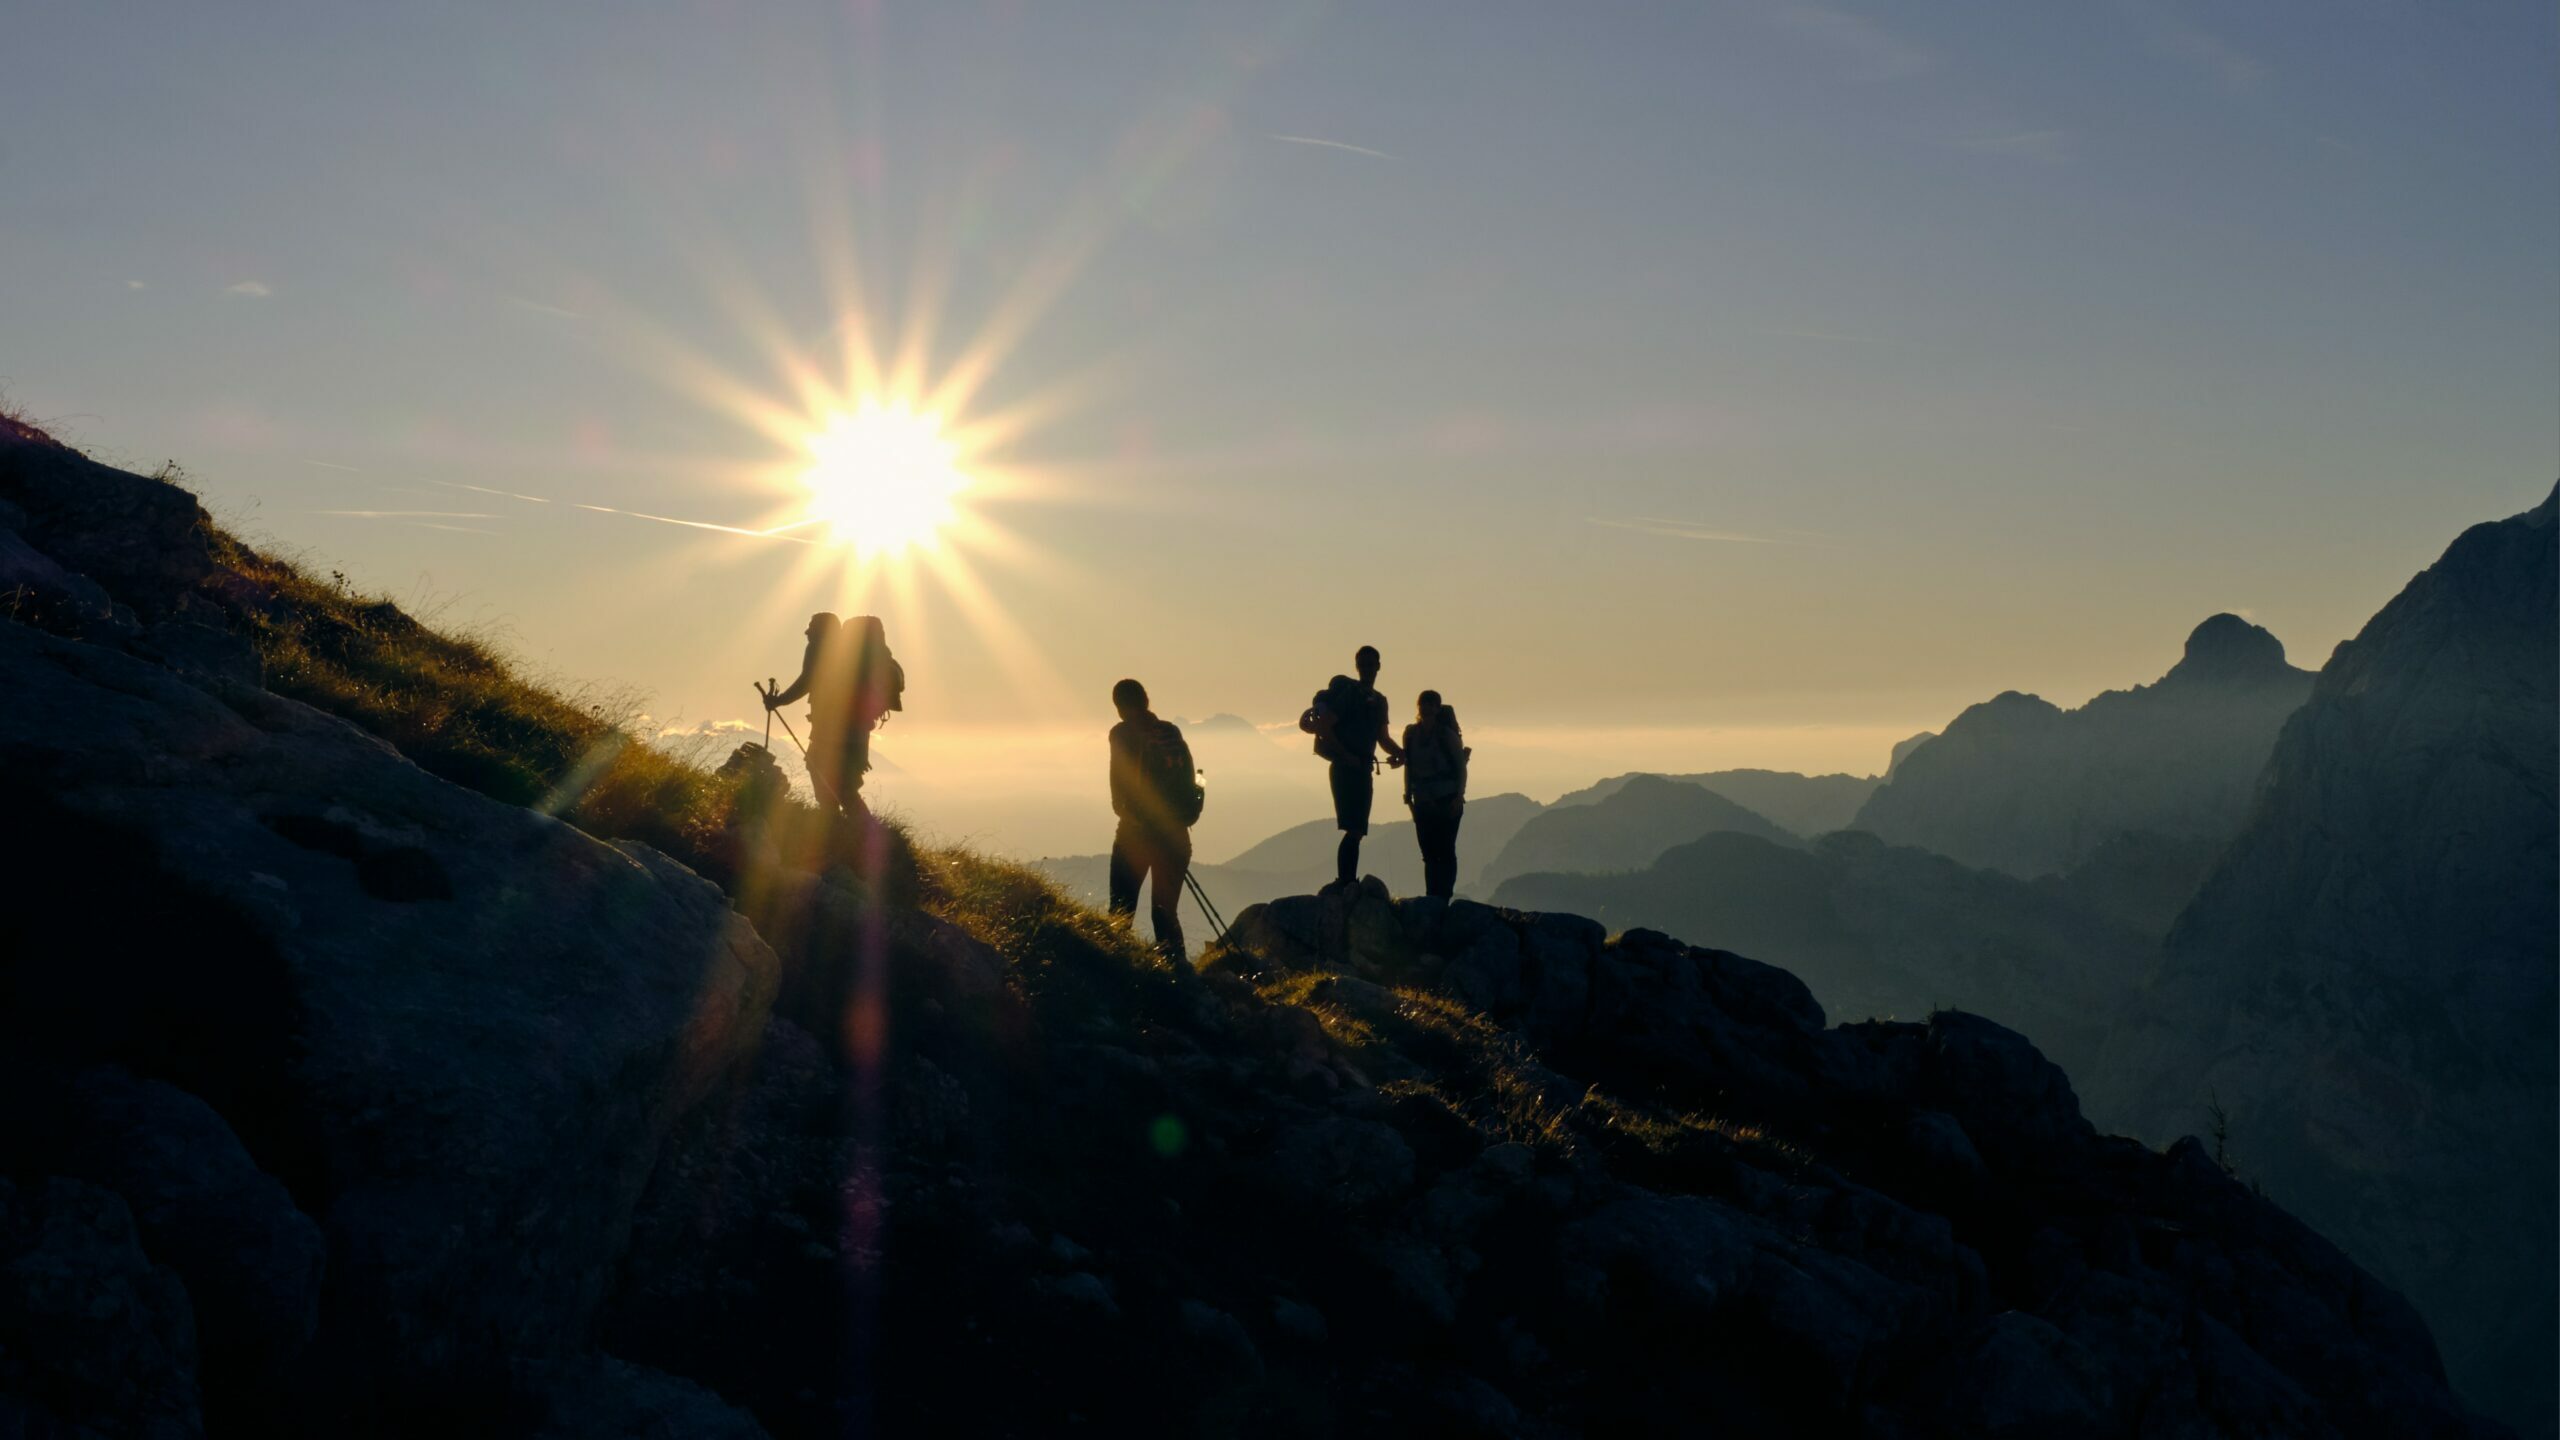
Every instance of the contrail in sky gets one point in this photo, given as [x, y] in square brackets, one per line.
[775, 534]
[695, 524]
[485, 490]
[410, 514]
[325, 465]
[1333, 145]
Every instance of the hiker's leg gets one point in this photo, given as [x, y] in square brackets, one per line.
[1448, 887]
[1353, 790]
[1431, 831]
[857, 763]
[1171, 860]
[826, 768]
[1123, 874]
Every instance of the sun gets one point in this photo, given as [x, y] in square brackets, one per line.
[882, 479]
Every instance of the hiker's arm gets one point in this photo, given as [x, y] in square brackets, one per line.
[1386, 738]
[800, 686]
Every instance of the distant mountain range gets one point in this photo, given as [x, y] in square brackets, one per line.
[1806, 805]
[1626, 829]
[2018, 784]
[1883, 931]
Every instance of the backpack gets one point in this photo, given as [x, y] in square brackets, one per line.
[1340, 702]
[1436, 767]
[875, 696]
[1164, 765]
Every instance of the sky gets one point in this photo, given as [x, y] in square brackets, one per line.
[1677, 386]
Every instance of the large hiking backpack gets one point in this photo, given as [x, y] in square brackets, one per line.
[877, 693]
[1435, 764]
[1341, 703]
[1164, 766]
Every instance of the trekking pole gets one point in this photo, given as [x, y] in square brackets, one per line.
[769, 687]
[1200, 898]
[815, 784]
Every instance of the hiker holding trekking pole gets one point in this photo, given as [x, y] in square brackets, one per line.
[1156, 792]
[853, 684]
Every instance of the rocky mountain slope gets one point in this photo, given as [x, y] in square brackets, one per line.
[1624, 830]
[2020, 785]
[353, 1089]
[2367, 978]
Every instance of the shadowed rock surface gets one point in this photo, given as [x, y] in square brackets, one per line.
[2367, 979]
[2019, 785]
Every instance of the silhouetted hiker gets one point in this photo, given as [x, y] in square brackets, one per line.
[1435, 787]
[1349, 721]
[852, 682]
[1157, 795]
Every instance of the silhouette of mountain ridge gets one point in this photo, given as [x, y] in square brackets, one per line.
[2366, 979]
[2019, 784]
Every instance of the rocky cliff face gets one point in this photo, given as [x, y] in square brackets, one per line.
[2367, 979]
[2020, 785]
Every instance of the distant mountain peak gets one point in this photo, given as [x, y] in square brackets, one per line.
[2226, 648]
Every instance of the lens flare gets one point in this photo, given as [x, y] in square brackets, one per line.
[882, 479]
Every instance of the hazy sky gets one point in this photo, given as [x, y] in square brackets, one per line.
[1780, 376]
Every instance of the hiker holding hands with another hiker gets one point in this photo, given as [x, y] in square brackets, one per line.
[853, 683]
[1349, 721]
[1435, 789]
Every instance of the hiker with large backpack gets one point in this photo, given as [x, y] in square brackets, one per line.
[1157, 795]
[853, 684]
[1349, 722]
[1435, 789]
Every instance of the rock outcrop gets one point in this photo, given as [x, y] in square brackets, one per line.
[2366, 981]
[2020, 785]
[1910, 1218]
[454, 1032]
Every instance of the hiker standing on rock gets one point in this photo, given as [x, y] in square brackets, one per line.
[1157, 795]
[853, 683]
[1435, 789]
[1349, 721]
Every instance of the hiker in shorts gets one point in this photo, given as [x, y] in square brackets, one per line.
[853, 683]
[1158, 797]
[1435, 789]
[1349, 721]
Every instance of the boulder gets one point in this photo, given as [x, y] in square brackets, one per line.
[458, 1029]
[607, 1399]
[252, 1263]
[92, 1334]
